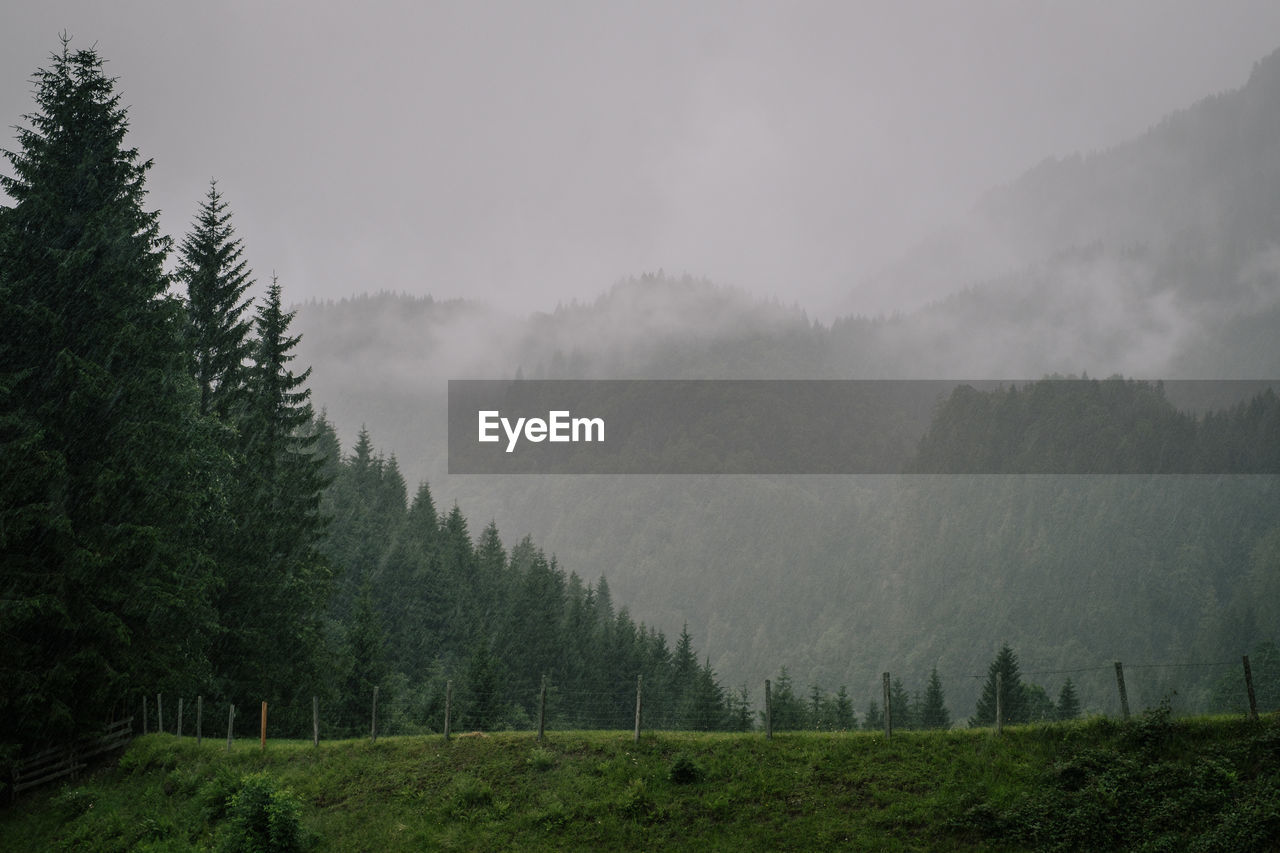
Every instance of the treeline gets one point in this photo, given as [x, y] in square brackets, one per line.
[422, 601]
[1083, 426]
[1021, 702]
[159, 507]
[175, 519]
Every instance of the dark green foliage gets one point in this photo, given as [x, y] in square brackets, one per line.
[166, 492]
[109, 474]
[903, 710]
[1081, 426]
[483, 703]
[1013, 698]
[277, 581]
[419, 602]
[1068, 707]
[789, 711]
[933, 711]
[262, 818]
[685, 771]
[217, 337]
[1040, 707]
[1152, 788]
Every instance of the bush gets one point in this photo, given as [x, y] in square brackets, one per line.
[685, 771]
[261, 818]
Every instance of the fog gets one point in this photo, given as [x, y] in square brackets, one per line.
[531, 154]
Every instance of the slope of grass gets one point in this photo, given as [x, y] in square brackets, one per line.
[1156, 784]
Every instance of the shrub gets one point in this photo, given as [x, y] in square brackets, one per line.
[685, 771]
[261, 818]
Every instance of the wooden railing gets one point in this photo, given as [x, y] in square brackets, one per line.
[60, 761]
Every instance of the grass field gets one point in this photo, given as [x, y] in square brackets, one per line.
[1153, 784]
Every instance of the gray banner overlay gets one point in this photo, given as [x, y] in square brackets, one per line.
[849, 426]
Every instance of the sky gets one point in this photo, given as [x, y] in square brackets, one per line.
[532, 153]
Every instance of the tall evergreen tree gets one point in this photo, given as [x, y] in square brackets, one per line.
[110, 476]
[904, 710]
[1013, 699]
[1068, 707]
[212, 266]
[789, 712]
[274, 607]
[842, 711]
[933, 713]
[874, 719]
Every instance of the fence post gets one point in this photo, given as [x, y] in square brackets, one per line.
[999, 702]
[1248, 684]
[231, 717]
[179, 716]
[638, 707]
[264, 726]
[373, 727]
[448, 705]
[159, 715]
[768, 710]
[199, 720]
[542, 709]
[1124, 697]
[144, 714]
[888, 708]
[315, 720]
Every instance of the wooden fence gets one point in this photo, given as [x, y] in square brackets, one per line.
[61, 761]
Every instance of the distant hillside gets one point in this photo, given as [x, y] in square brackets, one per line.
[1158, 258]
[1160, 255]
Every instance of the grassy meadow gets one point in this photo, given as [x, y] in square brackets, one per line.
[1152, 784]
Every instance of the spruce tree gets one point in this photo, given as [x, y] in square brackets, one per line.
[874, 719]
[1013, 698]
[211, 265]
[904, 710]
[1068, 707]
[108, 472]
[933, 712]
[843, 711]
[274, 607]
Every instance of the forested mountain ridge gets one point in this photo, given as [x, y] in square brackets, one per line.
[1181, 220]
[175, 520]
[867, 574]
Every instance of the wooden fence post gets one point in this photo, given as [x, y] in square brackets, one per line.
[144, 713]
[315, 720]
[999, 702]
[199, 720]
[542, 709]
[264, 726]
[1248, 684]
[159, 715]
[768, 710]
[638, 677]
[1124, 696]
[373, 726]
[888, 708]
[448, 706]
[231, 717]
[179, 716]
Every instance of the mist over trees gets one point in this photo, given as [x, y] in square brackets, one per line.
[175, 518]
[1155, 257]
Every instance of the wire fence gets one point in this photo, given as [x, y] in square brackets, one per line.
[437, 708]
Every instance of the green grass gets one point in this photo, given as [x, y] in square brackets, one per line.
[1205, 783]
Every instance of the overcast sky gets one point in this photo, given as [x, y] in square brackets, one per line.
[530, 152]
